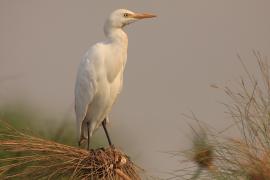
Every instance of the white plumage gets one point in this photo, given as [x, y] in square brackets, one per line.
[100, 74]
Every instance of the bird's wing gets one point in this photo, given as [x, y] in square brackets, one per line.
[85, 87]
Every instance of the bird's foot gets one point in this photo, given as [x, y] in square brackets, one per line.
[91, 150]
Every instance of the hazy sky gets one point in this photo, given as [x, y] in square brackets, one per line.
[172, 61]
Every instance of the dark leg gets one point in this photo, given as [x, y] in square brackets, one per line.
[88, 136]
[106, 132]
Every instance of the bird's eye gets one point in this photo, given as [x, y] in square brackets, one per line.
[125, 14]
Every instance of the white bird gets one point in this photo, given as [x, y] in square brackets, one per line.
[100, 75]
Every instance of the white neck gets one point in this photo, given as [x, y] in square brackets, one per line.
[118, 41]
[116, 35]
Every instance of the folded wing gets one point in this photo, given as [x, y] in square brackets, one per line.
[85, 89]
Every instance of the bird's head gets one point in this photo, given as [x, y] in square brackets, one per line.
[122, 17]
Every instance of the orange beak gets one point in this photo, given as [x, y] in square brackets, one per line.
[143, 15]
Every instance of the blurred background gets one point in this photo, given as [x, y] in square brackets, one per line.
[173, 61]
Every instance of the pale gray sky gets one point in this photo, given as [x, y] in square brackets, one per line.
[172, 61]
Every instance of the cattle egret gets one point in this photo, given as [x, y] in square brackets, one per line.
[100, 75]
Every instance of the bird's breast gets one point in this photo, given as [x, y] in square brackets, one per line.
[114, 62]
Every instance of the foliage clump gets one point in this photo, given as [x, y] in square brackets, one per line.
[36, 158]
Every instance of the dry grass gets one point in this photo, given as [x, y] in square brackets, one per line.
[246, 156]
[29, 157]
